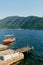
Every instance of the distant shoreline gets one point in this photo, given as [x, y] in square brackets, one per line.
[13, 29]
[21, 29]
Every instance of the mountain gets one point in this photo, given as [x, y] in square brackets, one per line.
[16, 22]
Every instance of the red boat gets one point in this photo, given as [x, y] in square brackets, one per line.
[8, 40]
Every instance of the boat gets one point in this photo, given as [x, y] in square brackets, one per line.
[10, 56]
[8, 39]
[7, 59]
[3, 47]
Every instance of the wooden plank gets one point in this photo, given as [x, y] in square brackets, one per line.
[24, 49]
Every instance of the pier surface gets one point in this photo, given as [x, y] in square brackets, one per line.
[24, 49]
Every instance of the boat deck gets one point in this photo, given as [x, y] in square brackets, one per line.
[13, 60]
[3, 47]
[8, 51]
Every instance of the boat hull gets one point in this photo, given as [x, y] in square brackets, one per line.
[8, 40]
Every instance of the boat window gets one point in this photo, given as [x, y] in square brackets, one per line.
[1, 58]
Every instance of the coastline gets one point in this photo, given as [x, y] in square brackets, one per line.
[20, 29]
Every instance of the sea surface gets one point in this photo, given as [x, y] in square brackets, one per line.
[32, 38]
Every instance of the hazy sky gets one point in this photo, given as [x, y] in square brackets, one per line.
[21, 8]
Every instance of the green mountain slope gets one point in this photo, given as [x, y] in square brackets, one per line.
[16, 22]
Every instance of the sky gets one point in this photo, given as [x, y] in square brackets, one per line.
[21, 8]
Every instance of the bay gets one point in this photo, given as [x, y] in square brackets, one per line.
[34, 38]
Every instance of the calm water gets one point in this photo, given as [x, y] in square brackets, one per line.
[34, 38]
